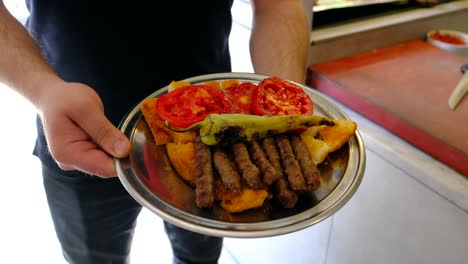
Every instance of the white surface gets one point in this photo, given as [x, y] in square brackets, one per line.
[306, 246]
[395, 219]
[27, 233]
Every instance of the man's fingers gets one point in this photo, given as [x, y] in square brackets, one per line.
[88, 158]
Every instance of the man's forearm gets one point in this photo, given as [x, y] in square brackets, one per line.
[22, 66]
[279, 43]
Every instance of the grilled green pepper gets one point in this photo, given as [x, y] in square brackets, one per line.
[222, 129]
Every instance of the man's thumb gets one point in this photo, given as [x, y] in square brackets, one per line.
[121, 146]
[106, 135]
[111, 140]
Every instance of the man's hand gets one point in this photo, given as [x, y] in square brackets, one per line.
[78, 134]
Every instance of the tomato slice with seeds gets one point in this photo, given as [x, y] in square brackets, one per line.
[275, 96]
[239, 98]
[188, 105]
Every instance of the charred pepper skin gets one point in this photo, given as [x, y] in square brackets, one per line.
[226, 129]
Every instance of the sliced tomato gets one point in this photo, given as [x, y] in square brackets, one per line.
[188, 105]
[275, 96]
[239, 97]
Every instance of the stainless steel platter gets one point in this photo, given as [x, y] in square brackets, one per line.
[149, 178]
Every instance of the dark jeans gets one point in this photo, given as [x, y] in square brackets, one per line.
[95, 220]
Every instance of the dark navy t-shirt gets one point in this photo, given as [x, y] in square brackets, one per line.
[127, 50]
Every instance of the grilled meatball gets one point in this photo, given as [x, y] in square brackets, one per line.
[309, 169]
[204, 184]
[284, 194]
[270, 174]
[250, 173]
[227, 171]
[290, 164]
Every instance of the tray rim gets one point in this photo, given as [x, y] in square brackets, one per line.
[335, 200]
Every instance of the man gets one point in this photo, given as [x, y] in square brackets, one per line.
[83, 65]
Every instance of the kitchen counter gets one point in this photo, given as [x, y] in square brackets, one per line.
[345, 39]
[405, 93]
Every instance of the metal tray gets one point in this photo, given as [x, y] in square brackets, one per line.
[149, 178]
